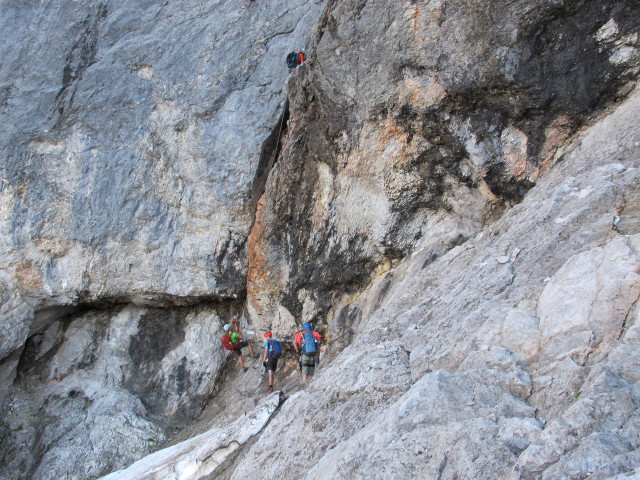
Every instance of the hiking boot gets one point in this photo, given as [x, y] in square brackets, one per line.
[270, 389]
[245, 369]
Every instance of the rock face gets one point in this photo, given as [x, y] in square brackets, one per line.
[132, 137]
[423, 123]
[448, 191]
[513, 355]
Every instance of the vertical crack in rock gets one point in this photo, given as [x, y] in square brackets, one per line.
[256, 281]
[78, 59]
[269, 156]
[625, 322]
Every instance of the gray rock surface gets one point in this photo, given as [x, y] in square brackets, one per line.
[108, 386]
[420, 123]
[449, 191]
[132, 134]
[480, 368]
[132, 137]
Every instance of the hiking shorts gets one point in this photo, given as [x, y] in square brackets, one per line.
[272, 364]
[308, 364]
[239, 347]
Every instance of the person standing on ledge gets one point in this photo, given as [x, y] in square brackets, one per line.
[305, 343]
[272, 351]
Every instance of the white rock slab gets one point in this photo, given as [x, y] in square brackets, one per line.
[200, 456]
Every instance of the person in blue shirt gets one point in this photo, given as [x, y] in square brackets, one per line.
[272, 351]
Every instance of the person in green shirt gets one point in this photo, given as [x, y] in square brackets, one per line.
[235, 339]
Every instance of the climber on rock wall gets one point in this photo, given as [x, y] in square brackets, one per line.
[295, 59]
[232, 340]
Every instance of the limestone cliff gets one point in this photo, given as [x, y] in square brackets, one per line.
[448, 190]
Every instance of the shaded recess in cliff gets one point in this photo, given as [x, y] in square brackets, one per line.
[40, 348]
[564, 71]
[84, 301]
[146, 371]
[565, 68]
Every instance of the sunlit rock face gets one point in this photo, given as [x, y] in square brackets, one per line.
[448, 191]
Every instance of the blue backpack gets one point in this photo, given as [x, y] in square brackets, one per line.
[292, 59]
[308, 343]
[274, 349]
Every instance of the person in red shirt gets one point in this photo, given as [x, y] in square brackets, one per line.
[306, 343]
[301, 57]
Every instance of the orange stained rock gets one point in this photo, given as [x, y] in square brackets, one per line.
[257, 277]
[27, 276]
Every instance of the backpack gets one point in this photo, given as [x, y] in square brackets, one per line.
[274, 349]
[292, 59]
[226, 342]
[308, 346]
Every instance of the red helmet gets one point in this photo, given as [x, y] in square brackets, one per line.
[267, 333]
